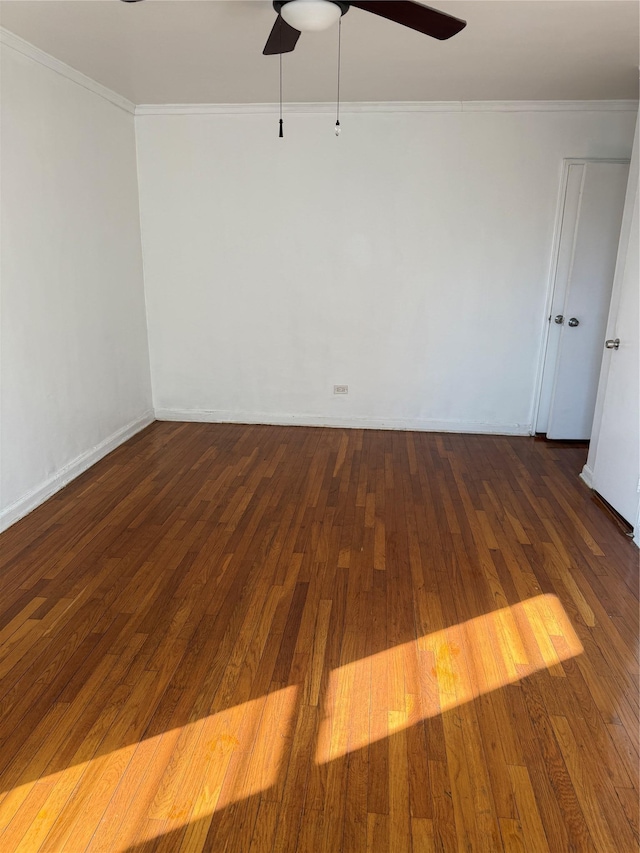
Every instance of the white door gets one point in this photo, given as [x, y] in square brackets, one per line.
[616, 468]
[579, 327]
[568, 219]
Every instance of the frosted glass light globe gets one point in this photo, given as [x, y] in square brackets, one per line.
[310, 15]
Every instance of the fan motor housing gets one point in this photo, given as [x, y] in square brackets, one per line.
[278, 4]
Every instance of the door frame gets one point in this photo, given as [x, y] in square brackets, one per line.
[567, 162]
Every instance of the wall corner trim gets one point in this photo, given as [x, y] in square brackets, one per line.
[11, 40]
[27, 503]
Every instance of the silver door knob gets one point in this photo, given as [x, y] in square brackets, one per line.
[573, 322]
[612, 343]
[559, 319]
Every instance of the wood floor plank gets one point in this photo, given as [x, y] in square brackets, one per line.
[261, 638]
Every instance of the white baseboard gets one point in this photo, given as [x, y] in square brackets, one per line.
[409, 424]
[586, 475]
[27, 503]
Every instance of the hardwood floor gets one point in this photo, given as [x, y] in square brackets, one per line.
[230, 638]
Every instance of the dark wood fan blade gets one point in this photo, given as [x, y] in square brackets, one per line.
[425, 20]
[282, 38]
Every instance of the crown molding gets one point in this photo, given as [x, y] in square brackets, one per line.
[389, 107]
[317, 108]
[615, 106]
[18, 44]
[11, 40]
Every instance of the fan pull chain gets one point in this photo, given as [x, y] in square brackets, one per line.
[280, 131]
[338, 128]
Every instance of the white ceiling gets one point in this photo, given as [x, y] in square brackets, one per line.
[199, 51]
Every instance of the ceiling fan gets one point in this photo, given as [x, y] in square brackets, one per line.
[296, 16]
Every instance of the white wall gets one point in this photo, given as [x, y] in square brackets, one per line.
[75, 372]
[408, 259]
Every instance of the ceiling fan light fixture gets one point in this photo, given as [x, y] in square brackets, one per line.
[311, 15]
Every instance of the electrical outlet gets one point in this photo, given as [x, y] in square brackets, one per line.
[340, 389]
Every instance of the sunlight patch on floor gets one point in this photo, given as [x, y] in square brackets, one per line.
[376, 696]
[182, 777]
[160, 784]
